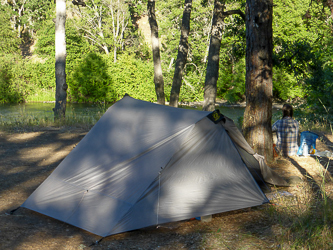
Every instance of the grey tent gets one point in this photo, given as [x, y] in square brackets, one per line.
[145, 164]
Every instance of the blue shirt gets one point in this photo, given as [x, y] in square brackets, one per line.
[287, 133]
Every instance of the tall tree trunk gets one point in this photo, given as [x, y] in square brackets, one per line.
[212, 72]
[182, 54]
[259, 90]
[158, 77]
[60, 58]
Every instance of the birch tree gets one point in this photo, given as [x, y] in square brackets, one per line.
[60, 61]
[120, 17]
[104, 23]
[92, 25]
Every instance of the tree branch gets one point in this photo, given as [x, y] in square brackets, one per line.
[233, 12]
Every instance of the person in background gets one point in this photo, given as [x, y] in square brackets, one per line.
[286, 132]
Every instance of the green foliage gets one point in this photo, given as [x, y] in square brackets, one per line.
[45, 41]
[104, 24]
[9, 55]
[76, 46]
[319, 81]
[303, 61]
[26, 16]
[300, 29]
[90, 81]
[192, 89]
[294, 57]
[33, 78]
[13, 85]
[231, 82]
[40, 72]
[169, 18]
[320, 87]
[35, 12]
[285, 85]
[137, 7]
[8, 91]
[133, 76]
[289, 24]
[9, 42]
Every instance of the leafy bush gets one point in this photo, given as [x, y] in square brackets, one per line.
[45, 42]
[192, 87]
[8, 92]
[90, 81]
[9, 42]
[285, 85]
[231, 82]
[320, 85]
[40, 73]
[132, 76]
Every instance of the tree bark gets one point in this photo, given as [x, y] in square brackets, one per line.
[60, 64]
[259, 90]
[182, 54]
[158, 77]
[212, 71]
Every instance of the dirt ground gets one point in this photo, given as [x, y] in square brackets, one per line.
[28, 157]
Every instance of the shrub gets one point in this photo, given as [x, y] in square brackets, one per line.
[90, 81]
[132, 76]
[8, 92]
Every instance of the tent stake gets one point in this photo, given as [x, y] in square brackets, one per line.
[96, 242]
[13, 211]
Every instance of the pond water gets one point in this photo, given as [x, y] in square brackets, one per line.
[44, 110]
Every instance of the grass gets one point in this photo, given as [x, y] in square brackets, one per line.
[311, 125]
[313, 121]
[306, 220]
[42, 95]
[30, 121]
[303, 221]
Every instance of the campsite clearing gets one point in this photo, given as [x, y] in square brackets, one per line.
[28, 157]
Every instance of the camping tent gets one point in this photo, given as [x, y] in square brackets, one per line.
[145, 164]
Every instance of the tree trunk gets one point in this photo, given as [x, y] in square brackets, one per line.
[115, 54]
[259, 90]
[60, 58]
[158, 77]
[212, 72]
[182, 54]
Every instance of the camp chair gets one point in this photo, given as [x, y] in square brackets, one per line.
[308, 140]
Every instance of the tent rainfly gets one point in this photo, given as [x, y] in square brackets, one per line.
[145, 164]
